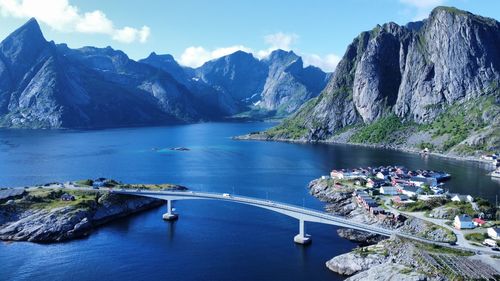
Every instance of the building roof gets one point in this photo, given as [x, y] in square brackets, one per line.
[411, 188]
[464, 218]
[461, 197]
[478, 220]
[422, 179]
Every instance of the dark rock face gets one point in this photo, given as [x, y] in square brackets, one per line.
[48, 86]
[43, 85]
[278, 83]
[411, 71]
[65, 223]
[216, 102]
[361, 237]
[289, 84]
[239, 74]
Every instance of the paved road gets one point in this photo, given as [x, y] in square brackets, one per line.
[323, 216]
[461, 241]
[305, 214]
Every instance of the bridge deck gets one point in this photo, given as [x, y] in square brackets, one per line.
[301, 213]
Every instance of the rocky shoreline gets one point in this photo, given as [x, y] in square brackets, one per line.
[263, 137]
[382, 258]
[21, 221]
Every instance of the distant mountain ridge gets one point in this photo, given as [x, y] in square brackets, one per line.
[44, 85]
[278, 84]
[431, 84]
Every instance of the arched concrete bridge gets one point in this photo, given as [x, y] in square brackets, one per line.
[300, 213]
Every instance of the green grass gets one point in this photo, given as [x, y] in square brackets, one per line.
[51, 198]
[149, 186]
[378, 131]
[295, 126]
[424, 205]
[87, 182]
[442, 250]
[476, 237]
[462, 207]
[406, 270]
[458, 121]
[431, 227]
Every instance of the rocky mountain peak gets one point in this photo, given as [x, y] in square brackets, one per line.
[415, 73]
[282, 56]
[23, 46]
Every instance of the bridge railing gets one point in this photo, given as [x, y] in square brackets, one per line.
[273, 204]
[284, 206]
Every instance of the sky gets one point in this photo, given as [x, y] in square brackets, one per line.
[195, 31]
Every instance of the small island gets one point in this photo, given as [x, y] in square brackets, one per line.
[55, 212]
[414, 202]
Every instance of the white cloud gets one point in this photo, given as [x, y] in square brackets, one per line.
[129, 34]
[94, 22]
[422, 7]
[281, 40]
[61, 16]
[196, 56]
[276, 41]
[327, 63]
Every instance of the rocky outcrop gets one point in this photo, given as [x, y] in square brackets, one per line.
[353, 262]
[360, 237]
[64, 223]
[278, 84]
[389, 272]
[343, 204]
[416, 73]
[44, 85]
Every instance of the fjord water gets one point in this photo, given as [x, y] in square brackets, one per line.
[211, 240]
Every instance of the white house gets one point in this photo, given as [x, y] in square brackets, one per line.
[494, 232]
[419, 181]
[463, 222]
[410, 190]
[389, 190]
[462, 198]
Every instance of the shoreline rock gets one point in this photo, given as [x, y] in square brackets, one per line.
[70, 222]
[352, 263]
[263, 137]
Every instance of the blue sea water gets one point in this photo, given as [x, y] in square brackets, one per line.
[211, 240]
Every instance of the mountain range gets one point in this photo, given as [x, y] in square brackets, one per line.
[430, 84]
[48, 85]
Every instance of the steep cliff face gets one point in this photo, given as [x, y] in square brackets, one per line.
[288, 84]
[454, 57]
[279, 83]
[239, 74]
[216, 101]
[43, 85]
[415, 72]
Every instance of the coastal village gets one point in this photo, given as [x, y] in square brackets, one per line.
[394, 192]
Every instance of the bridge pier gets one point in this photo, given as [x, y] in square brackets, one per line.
[169, 215]
[302, 238]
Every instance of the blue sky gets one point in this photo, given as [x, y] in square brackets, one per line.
[195, 30]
